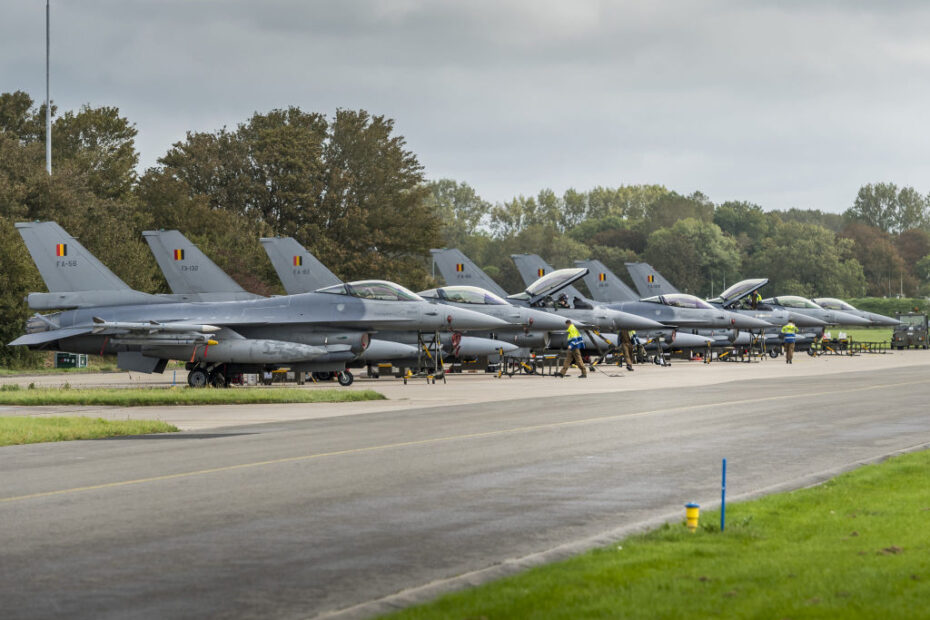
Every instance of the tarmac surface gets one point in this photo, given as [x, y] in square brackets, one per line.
[354, 509]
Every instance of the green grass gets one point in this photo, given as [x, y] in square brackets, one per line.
[20, 430]
[864, 334]
[134, 397]
[854, 547]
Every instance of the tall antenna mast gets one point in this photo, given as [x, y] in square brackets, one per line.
[48, 103]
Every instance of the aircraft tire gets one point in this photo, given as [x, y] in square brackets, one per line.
[345, 378]
[218, 379]
[197, 378]
[773, 353]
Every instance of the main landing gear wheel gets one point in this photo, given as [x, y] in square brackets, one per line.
[197, 378]
[345, 378]
[218, 379]
[773, 353]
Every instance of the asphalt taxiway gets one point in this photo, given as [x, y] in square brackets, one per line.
[349, 511]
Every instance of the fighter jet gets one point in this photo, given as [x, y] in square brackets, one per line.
[190, 273]
[679, 310]
[313, 331]
[606, 286]
[800, 305]
[877, 320]
[300, 272]
[456, 268]
[733, 298]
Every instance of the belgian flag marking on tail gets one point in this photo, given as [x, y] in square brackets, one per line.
[298, 261]
[459, 267]
[61, 249]
[179, 255]
[540, 272]
[650, 278]
[601, 277]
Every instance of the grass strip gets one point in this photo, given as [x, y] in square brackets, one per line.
[21, 430]
[854, 547]
[140, 397]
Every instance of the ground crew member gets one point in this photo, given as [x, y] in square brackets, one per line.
[626, 342]
[789, 332]
[575, 344]
[756, 300]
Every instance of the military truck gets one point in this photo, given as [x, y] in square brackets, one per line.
[912, 332]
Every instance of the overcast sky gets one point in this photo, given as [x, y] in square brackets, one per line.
[784, 104]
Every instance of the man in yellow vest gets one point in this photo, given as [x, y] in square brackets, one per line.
[789, 332]
[575, 344]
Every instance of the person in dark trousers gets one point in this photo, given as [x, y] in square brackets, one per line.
[626, 342]
[789, 332]
[575, 344]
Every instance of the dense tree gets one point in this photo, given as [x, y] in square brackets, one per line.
[460, 209]
[808, 260]
[885, 271]
[691, 253]
[889, 209]
[346, 188]
[672, 207]
[745, 222]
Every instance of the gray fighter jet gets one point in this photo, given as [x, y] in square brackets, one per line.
[648, 280]
[300, 272]
[313, 331]
[606, 286]
[800, 305]
[679, 310]
[456, 268]
[876, 320]
[190, 273]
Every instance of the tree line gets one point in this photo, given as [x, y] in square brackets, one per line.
[347, 187]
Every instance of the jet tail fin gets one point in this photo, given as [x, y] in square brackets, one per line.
[64, 264]
[648, 281]
[532, 267]
[187, 269]
[604, 283]
[456, 268]
[298, 269]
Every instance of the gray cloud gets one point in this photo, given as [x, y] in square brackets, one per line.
[784, 104]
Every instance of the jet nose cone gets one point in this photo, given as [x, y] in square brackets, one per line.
[463, 319]
[744, 321]
[806, 320]
[844, 318]
[625, 320]
[543, 321]
[882, 320]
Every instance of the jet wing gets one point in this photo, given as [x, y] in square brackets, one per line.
[49, 336]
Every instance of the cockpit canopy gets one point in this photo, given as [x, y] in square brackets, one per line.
[680, 300]
[550, 284]
[793, 301]
[831, 303]
[740, 290]
[464, 295]
[373, 289]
